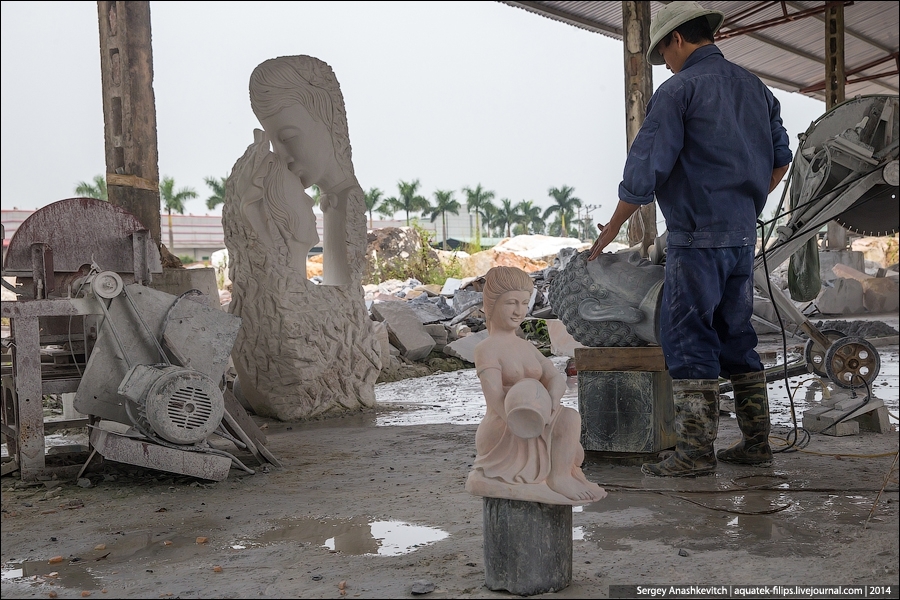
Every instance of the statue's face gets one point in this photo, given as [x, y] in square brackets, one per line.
[509, 310]
[625, 277]
[302, 141]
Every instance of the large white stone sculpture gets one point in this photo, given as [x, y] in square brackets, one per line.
[304, 350]
[527, 446]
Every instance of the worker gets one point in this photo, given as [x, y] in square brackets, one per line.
[711, 149]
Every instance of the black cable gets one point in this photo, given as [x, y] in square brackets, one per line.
[794, 440]
[853, 410]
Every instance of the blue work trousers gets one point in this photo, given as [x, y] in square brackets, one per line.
[705, 328]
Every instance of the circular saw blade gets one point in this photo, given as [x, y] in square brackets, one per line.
[876, 213]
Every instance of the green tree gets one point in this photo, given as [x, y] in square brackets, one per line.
[217, 187]
[97, 189]
[507, 215]
[373, 203]
[444, 203]
[316, 192]
[530, 216]
[476, 199]
[409, 200]
[173, 200]
[565, 205]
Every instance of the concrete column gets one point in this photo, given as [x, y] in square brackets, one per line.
[638, 89]
[836, 238]
[129, 111]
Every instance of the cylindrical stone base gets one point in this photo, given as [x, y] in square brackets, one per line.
[527, 546]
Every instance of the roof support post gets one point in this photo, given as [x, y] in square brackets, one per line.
[836, 238]
[129, 111]
[638, 89]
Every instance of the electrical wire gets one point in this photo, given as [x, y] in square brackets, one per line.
[798, 437]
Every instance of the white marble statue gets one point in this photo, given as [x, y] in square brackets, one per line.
[304, 350]
[527, 446]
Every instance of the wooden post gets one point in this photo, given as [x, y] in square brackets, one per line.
[638, 89]
[129, 111]
[836, 238]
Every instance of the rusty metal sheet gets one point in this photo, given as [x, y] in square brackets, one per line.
[79, 231]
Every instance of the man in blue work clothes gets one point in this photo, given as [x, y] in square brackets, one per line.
[711, 149]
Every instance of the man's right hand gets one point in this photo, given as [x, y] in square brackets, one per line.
[607, 235]
[609, 231]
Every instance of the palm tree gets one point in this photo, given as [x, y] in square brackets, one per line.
[565, 205]
[217, 186]
[444, 203]
[476, 199]
[507, 215]
[173, 200]
[93, 190]
[530, 216]
[373, 203]
[408, 201]
[316, 192]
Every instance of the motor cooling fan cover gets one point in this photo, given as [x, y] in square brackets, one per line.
[180, 405]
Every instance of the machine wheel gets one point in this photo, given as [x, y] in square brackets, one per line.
[852, 362]
[815, 354]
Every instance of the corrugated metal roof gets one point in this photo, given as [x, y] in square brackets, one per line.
[790, 55]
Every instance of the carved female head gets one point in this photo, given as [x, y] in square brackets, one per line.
[298, 101]
[612, 300]
[502, 280]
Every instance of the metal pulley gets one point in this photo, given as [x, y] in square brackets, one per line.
[852, 362]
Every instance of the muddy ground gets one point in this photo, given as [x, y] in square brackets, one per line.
[374, 506]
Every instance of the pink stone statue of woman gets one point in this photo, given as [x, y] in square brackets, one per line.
[528, 444]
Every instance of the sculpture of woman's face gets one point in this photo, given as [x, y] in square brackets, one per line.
[303, 141]
[509, 310]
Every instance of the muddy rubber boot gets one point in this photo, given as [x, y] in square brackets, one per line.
[696, 424]
[751, 406]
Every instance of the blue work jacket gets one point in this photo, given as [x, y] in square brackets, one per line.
[707, 148]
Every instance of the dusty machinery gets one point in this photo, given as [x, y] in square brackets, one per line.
[146, 366]
[845, 169]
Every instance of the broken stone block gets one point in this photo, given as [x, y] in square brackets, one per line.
[881, 294]
[841, 297]
[831, 258]
[405, 331]
[439, 334]
[464, 347]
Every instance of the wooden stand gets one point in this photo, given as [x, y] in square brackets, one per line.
[527, 546]
[625, 400]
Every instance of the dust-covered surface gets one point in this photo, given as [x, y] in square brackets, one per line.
[859, 328]
[374, 506]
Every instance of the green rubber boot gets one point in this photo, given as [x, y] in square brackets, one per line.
[696, 424]
[751, 406]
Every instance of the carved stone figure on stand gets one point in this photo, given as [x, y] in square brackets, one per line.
[304, 350]
[613, 300]
[527, 444]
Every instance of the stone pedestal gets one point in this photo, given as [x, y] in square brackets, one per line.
[527, 546]
[625, 400]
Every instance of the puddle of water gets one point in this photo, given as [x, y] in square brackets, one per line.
[624, 518]
[74, 575]
[455, 398]
[357, 535]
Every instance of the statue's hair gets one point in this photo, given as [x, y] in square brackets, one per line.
[278, 83]
[500, 280]
[567, 290]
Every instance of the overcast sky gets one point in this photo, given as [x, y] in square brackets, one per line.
[453, 94]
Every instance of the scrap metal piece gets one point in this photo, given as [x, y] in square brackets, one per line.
[203, 465]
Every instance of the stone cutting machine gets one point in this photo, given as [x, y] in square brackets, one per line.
[845, 169]
[146, 366]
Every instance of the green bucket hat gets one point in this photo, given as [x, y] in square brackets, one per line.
[670, 17]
